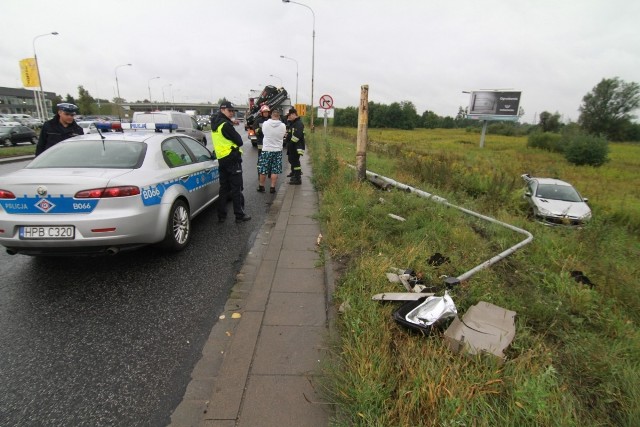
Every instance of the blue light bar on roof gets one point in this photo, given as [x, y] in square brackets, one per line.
[150, 126]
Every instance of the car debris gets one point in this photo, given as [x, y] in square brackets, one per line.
[484, 328]
[425, 314]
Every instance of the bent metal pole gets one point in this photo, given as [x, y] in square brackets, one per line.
[437, 199]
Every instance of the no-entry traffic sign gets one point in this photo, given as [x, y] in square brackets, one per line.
[326, 102]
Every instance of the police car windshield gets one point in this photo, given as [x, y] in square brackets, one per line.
[92, 154]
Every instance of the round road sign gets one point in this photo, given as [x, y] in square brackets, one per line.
[326, 102]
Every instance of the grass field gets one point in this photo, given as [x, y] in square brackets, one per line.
[575, 357]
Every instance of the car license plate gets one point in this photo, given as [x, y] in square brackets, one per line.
[51, 232]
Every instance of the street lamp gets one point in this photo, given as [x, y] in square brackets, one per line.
[281, 84]
[313, 52]
[149, 87]
[41, 105]
[115, 71]
[169, 85]
[286, 57]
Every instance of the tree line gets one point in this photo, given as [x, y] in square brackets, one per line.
[606, 111]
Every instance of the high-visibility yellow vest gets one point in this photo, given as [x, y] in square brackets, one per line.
[221, 145]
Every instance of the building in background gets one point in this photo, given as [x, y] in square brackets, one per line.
[21, 101]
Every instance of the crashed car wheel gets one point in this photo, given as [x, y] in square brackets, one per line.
[178, 231]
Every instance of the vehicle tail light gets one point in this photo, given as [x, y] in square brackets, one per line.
[4, 194]
[108, 192]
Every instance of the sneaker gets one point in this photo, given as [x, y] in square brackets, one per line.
[243, 218]
[260, 189]
[272, 190]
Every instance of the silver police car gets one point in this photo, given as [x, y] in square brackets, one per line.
[107, 192]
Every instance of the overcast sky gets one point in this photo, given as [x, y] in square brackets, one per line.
[423, 51]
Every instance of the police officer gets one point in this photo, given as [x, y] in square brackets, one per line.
[295, 145]
[226, 143]
[62, 126]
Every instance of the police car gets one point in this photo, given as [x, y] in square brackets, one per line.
[107, 192]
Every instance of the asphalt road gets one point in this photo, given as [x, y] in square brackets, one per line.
[106, 341]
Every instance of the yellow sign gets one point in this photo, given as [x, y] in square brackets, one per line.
[301, 109]
[29, 72]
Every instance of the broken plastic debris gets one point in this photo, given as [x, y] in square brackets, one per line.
[228, 333]
[236, 316]
[319, 239]
[399, 218]
[432, 310]
[222, 317]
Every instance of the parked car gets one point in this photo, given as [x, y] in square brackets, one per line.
[556, 202]
[186, 123]
[94, 194]
[8, 122]
[27, 120]
[11, 135]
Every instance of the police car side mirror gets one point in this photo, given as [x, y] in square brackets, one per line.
[213, 156]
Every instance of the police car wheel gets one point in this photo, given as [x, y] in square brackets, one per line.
[178, 231]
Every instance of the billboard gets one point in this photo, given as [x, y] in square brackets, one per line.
[485, 104]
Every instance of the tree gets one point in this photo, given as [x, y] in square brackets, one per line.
[85, 101]
[606, 110]
[549, 122]
[70, 99]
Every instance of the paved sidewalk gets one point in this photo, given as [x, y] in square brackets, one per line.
[260, 364]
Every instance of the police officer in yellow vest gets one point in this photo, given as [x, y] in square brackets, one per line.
[226, 143]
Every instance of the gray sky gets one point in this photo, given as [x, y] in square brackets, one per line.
[426, 51]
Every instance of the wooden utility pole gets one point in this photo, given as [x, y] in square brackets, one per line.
[361, 140]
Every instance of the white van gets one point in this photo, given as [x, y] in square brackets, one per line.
[186, 123]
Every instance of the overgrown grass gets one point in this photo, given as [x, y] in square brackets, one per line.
[575, 357]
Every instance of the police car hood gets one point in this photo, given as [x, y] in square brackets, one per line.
[59, 181]
[562, 208]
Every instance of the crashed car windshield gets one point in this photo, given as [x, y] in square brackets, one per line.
[92, 154]
[558, 192]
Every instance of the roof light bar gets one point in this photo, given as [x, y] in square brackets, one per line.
[135, 126]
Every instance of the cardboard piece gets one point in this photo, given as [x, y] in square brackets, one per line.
[484, 328]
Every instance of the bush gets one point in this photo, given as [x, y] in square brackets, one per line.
[546, 141]
[583, 149]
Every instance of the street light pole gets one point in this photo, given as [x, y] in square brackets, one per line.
[286, 57]
[149, 87]
[41, 105]
[118, 86]
[281, 84]
[313, 52]
[169, 85]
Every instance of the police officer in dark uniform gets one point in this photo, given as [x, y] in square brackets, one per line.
[62, 126]
[295, 145]
[226, 143]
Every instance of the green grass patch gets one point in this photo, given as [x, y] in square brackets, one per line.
[575, 357]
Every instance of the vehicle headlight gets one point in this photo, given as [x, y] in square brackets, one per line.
[586, 216]
[544, 212]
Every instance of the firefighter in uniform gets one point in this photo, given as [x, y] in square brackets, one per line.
[264, 116]
[62, 126]
[226, 143]
[295, 145]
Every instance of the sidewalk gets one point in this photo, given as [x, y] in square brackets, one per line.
[260, 364]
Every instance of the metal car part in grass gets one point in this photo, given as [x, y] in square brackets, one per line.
[103, 193]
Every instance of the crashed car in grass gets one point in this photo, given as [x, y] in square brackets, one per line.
[555, 202]
[103, 193]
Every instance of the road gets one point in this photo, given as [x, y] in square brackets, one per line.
[112, 340]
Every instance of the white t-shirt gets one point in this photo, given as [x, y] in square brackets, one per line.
[273, 131]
